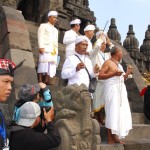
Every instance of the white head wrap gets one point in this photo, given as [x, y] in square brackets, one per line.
[89, 28]
[81, 39]
[99, 33]
[52, 13]
[76, 21]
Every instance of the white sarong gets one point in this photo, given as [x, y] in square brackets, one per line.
[118, 114]
[47, 64]
[98, 103]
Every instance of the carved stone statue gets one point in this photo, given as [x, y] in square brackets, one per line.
[78, 130]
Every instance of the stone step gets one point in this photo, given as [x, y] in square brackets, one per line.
[139, 118]
[142, 144]
[139, 131]
[105, 146]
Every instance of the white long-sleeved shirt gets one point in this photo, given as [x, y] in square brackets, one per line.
[90, 47]
[98, 57]
[69, 70]
[69, 40]
[48, 37]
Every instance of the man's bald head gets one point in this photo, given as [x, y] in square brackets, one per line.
[114, 50]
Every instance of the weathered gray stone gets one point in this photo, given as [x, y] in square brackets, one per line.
[12, 3]
[138, 118]
[17, 56]
[13, 14]
[139, 131]
[142, 144]
[111, 147]
[17, 26]
[19, 41]
[32, 28]
[25, 75]
[77, 129]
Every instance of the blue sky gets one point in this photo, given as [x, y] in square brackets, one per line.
[126, 12]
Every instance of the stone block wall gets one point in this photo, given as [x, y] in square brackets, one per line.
[15, 45]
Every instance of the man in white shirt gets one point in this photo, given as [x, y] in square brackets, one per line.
[73, 69]
[89, 33]
[70, 36]
[48, 47]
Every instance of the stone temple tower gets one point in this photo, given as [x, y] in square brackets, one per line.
[113, 32]
[131, 44]
[145, 48]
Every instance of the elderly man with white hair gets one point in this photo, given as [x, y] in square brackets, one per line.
[70, 37]
[89, 33]
[48, 47]
[74, 66]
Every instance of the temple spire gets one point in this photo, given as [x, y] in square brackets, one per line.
[113, 32]
[131, 43]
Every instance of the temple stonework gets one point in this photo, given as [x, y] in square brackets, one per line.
[145, 49]
[131, 44]
[73, 119]
[113, 33]
[36, 11]
[19, 22]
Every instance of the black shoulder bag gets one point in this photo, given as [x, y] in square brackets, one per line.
[93, 81]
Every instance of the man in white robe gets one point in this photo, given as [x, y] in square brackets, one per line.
[70, 37]
[73, 69]
[48, 47]
[118, 115]
[89, 33]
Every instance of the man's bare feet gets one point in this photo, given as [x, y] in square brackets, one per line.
[116, 139]
[110, 139]
[111, 142]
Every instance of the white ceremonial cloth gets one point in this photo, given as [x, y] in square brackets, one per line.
[98, 103]
[69, 40]
[48, 39]
[98, 57]
[69, 70]
[118, 114]
[90, 47]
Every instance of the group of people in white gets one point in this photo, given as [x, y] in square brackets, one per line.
[81, 54]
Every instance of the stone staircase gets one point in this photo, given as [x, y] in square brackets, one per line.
[139, 136]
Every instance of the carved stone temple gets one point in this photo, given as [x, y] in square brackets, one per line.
[73, 118]
[19, 21]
